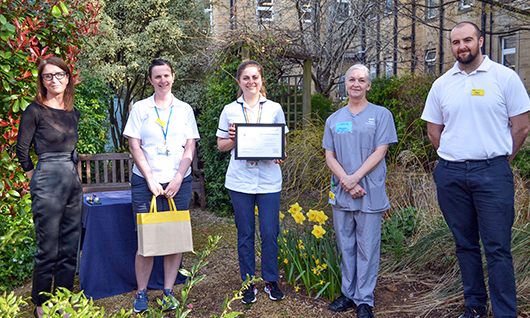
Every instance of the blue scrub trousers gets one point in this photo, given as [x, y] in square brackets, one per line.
[269, 227]
[477, 201]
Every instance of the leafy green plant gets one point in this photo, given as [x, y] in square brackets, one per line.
[401, 226]
[309, 254]
[10, 305]
[405, 97]
[17, 246]
[92, 99]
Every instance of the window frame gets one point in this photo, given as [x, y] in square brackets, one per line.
[263, 6]
[508, 51]
[432, 12]
[340, 3]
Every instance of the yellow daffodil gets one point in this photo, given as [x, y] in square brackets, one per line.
[295, 208]
[281, 216]
[324, 266]
[321, 217]
[256, 210]
[317, 261]
[299, 218]
[319, 267]
[318, 231]
[321, 282]
[296, 288]
[285, 260]
[312, 215]
[315, 271]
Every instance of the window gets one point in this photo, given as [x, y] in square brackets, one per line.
[508, 51]
[430, 61]
[341, 89]
[373, 70]
[464, 4]
[432, 8]
[305, 10]
[208, 9]
[388, 68]
[389, 6]
[343, 10]
[264, 10]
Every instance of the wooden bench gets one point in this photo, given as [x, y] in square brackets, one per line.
[113, 172]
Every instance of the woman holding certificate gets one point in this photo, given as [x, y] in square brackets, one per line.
[162, 133]
[252, 183]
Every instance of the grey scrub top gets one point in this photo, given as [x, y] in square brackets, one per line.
[353, 138]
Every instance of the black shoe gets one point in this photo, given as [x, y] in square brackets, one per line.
[249, 295]
[364, 311]
[474, 312]
[342, 303]
[274, 291]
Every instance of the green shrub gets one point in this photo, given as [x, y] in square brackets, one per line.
[17, 246]
[92, 98]
[395, 231]
[405, 97]
[322, 107]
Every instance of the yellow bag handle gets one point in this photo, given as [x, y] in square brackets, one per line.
[172, 206]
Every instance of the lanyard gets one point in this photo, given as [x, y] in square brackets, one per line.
[246, 114]
[167, 126]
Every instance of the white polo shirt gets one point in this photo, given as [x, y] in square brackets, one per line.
[475, 109]
[267, 177]
[181, 126]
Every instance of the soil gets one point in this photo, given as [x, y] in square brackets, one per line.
[395, 295]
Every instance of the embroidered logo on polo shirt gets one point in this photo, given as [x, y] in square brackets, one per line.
[477, 92]
[370, 121]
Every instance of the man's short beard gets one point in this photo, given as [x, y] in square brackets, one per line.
[468, 60]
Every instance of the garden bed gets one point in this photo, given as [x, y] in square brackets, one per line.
[395, 295]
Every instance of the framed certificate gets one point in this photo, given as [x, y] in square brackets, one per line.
[260, 141]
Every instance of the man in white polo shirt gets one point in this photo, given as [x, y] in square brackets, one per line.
[477, 120]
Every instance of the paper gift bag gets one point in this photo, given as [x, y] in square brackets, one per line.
[164, 233]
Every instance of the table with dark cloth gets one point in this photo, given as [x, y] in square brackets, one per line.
[109, 248]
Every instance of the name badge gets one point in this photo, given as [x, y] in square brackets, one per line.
[252, 164]
[161, 123]
[477, 92]
[331, 198]
[344, 127]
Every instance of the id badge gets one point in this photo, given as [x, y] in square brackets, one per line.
[252, 164]
[331, 198]
[163, 151]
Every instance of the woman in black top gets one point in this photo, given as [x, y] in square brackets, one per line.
[50, 124]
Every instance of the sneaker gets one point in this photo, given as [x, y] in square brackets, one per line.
[170, 296]
[249, 295]
[274, 291]
[140, 301]
[474, 312]
[364, 311]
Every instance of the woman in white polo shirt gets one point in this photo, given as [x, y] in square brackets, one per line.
[252, 183]
[162, 133]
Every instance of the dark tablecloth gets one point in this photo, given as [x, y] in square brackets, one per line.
[109, 248]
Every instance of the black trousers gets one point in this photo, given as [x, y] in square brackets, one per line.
[57, 203]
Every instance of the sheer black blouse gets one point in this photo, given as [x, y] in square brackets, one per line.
[48, 129]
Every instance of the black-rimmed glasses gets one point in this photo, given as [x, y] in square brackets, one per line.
[49, 76]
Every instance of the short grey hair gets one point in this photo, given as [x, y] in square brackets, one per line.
[362, 67]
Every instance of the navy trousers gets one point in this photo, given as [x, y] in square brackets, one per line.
[477, 201]
[269, 227]
[57, 204]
